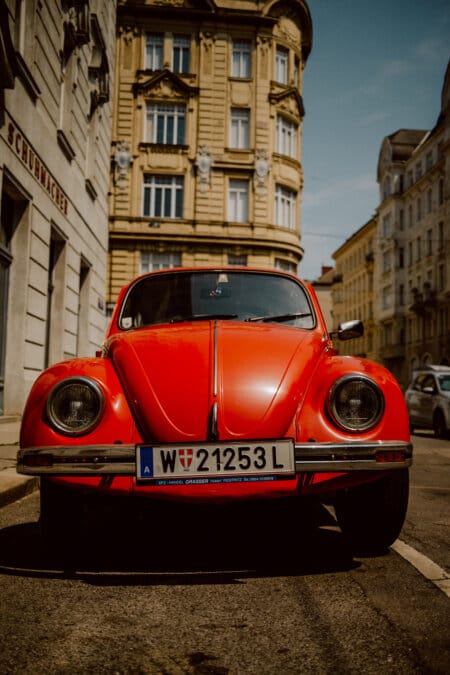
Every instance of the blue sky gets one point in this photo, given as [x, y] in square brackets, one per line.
[376, 66]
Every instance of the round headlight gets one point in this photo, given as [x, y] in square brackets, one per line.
[75, 405]
[355, 403]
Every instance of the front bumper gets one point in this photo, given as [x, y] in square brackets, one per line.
[120, 460]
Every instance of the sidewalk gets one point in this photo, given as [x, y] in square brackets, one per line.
[12, 485]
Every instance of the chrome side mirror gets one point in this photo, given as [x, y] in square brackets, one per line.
[349, 330]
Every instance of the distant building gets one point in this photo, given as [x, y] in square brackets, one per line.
[353, 291]
[413, 246]
[207, 135]
[56, 63]
[323, 289]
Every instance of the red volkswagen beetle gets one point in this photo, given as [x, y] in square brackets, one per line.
[222, 385]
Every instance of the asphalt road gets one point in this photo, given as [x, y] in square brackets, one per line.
[209, 594]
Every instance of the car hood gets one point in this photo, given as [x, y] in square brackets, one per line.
[215, 380]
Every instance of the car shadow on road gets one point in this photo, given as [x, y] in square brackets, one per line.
[186, 544]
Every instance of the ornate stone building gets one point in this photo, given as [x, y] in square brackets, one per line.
[207, 135]
[56, 62]
[413, 251]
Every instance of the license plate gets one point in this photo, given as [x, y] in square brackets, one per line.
[216, 462]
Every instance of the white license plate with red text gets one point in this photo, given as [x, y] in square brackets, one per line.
[202, 462]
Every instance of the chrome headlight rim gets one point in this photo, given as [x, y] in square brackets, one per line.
[338, 420]
[56, 422]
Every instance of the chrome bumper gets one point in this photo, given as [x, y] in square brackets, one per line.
[120, 460]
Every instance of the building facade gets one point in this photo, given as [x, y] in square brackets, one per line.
[56, 63]
[207, 135]
[353, 293]
[413, 251]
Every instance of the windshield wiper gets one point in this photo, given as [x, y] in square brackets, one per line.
[279, 317]
[202, 317]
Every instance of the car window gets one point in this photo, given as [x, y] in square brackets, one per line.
[181, 296]
[444, 382]
[418, 382]
[429, 382]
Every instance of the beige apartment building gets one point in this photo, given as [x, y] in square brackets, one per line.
[56, 66]
[207, 135]
[353, 294]
[413, 246]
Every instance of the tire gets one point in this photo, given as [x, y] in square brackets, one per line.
[439, 427]
[60, 514]
[371, 516]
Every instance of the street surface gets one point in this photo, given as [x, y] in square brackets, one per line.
[215, 594]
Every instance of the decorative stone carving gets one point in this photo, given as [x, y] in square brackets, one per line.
[123, 161]
[203, 163]
[262, 169]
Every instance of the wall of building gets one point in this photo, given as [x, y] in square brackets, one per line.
[413, 256]
[55, 133]
[353, 293]
[214, 156]
[394, 273]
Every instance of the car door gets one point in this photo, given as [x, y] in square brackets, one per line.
[427, 400]
[414, 400]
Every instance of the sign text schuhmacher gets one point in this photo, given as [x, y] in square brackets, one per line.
[36, 166]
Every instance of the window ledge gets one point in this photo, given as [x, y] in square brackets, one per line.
[90, 189]
[64, 144]
[27, 78]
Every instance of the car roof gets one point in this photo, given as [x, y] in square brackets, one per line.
[432, 369]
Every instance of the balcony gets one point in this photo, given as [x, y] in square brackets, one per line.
[425, 302]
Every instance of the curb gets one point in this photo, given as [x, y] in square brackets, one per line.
[14, 487]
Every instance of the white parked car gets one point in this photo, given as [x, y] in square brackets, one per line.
[428, 400]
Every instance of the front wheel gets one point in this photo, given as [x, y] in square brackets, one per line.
[439, 427]
[371, 516]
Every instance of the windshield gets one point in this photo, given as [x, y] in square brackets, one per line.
[444, 382]
[193, 296]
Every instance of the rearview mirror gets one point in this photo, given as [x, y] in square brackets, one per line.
[349, 330]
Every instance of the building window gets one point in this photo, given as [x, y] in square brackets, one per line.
[429, 160]
[429, 200]
[163, 196]
[441, 192]
[410, 215]
[165, 124]
[181, 53]
[241, 60]
[281, 65]
[441, 277]
[401, 220]
[387, 297]
[419, 209]
[440, 235]
[401, 295]
[285, 265]
[285, 207]
[386, 261]
[239, 260]
[418, 171]
[151, 262]
[286, 140]
[429, 242]
[419, 248]
[239, 128]
[387, 225]
[238, 201]
[154, 49]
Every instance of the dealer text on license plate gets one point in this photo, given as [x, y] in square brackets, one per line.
[215, 462]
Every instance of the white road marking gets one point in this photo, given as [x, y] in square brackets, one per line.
[426, 567]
